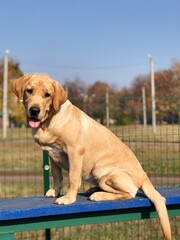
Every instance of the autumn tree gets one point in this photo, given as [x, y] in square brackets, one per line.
[14, 70]
[76, 90]
[167, 88]
[75, 87]
[97, 99]
[15, 111]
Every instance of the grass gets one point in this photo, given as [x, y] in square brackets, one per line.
[159, 154]
[140, 133]
[11, 189]
[19, 152]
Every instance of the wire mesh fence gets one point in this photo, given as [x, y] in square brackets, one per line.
[21, 164]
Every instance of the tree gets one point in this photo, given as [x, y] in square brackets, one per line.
[75, 87]
[167, 88]
[76, 90]
[15, 112]
[97, 100]
[176, 69]
[14, 70]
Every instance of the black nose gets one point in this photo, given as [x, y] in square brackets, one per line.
[34, 111]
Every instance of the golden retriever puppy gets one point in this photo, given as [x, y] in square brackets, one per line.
[83, 147]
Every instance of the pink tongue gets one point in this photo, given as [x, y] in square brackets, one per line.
[34, 124]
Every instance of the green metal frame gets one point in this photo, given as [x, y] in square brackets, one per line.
[46, 178]
[9, 227]
[46, 168]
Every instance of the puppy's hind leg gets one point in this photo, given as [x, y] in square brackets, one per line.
[115, 187]
[93, 190]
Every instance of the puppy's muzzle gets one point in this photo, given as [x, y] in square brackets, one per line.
[33, 118]
[34, 111]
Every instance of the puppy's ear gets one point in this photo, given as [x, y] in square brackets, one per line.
[18, 86]
[60, 96]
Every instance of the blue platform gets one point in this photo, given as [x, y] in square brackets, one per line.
[18, 208]
[33, 213]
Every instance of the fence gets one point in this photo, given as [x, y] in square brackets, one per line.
[21, 164]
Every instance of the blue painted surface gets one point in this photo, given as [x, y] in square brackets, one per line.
[18, 208]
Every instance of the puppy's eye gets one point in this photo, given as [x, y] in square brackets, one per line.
[47, 95]
[29, 91]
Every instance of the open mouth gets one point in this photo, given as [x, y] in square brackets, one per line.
[33, 122]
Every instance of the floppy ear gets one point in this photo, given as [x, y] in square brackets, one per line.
[60, 96]
[18, 86]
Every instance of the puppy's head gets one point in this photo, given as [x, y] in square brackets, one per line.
[41, 96]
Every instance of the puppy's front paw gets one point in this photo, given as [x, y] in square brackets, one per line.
[65, 200]
[51, 193]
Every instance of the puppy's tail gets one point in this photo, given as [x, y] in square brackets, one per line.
[159, 203]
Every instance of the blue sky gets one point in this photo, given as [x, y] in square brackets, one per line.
[104, 40]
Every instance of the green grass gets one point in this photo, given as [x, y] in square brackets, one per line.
[19, 152]
[21, 188]
[140, 133]
[158, 153]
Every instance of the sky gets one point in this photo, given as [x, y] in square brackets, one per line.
[105, 40]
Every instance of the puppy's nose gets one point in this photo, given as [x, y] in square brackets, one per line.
[34, 111]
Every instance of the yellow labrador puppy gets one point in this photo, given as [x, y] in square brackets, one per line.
[83, 147]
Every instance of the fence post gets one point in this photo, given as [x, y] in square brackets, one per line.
[46, 168]
[144, 106]
[5, 97]
[152, 93]
[107, 107]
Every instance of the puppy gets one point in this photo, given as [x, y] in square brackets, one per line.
[83, 147]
